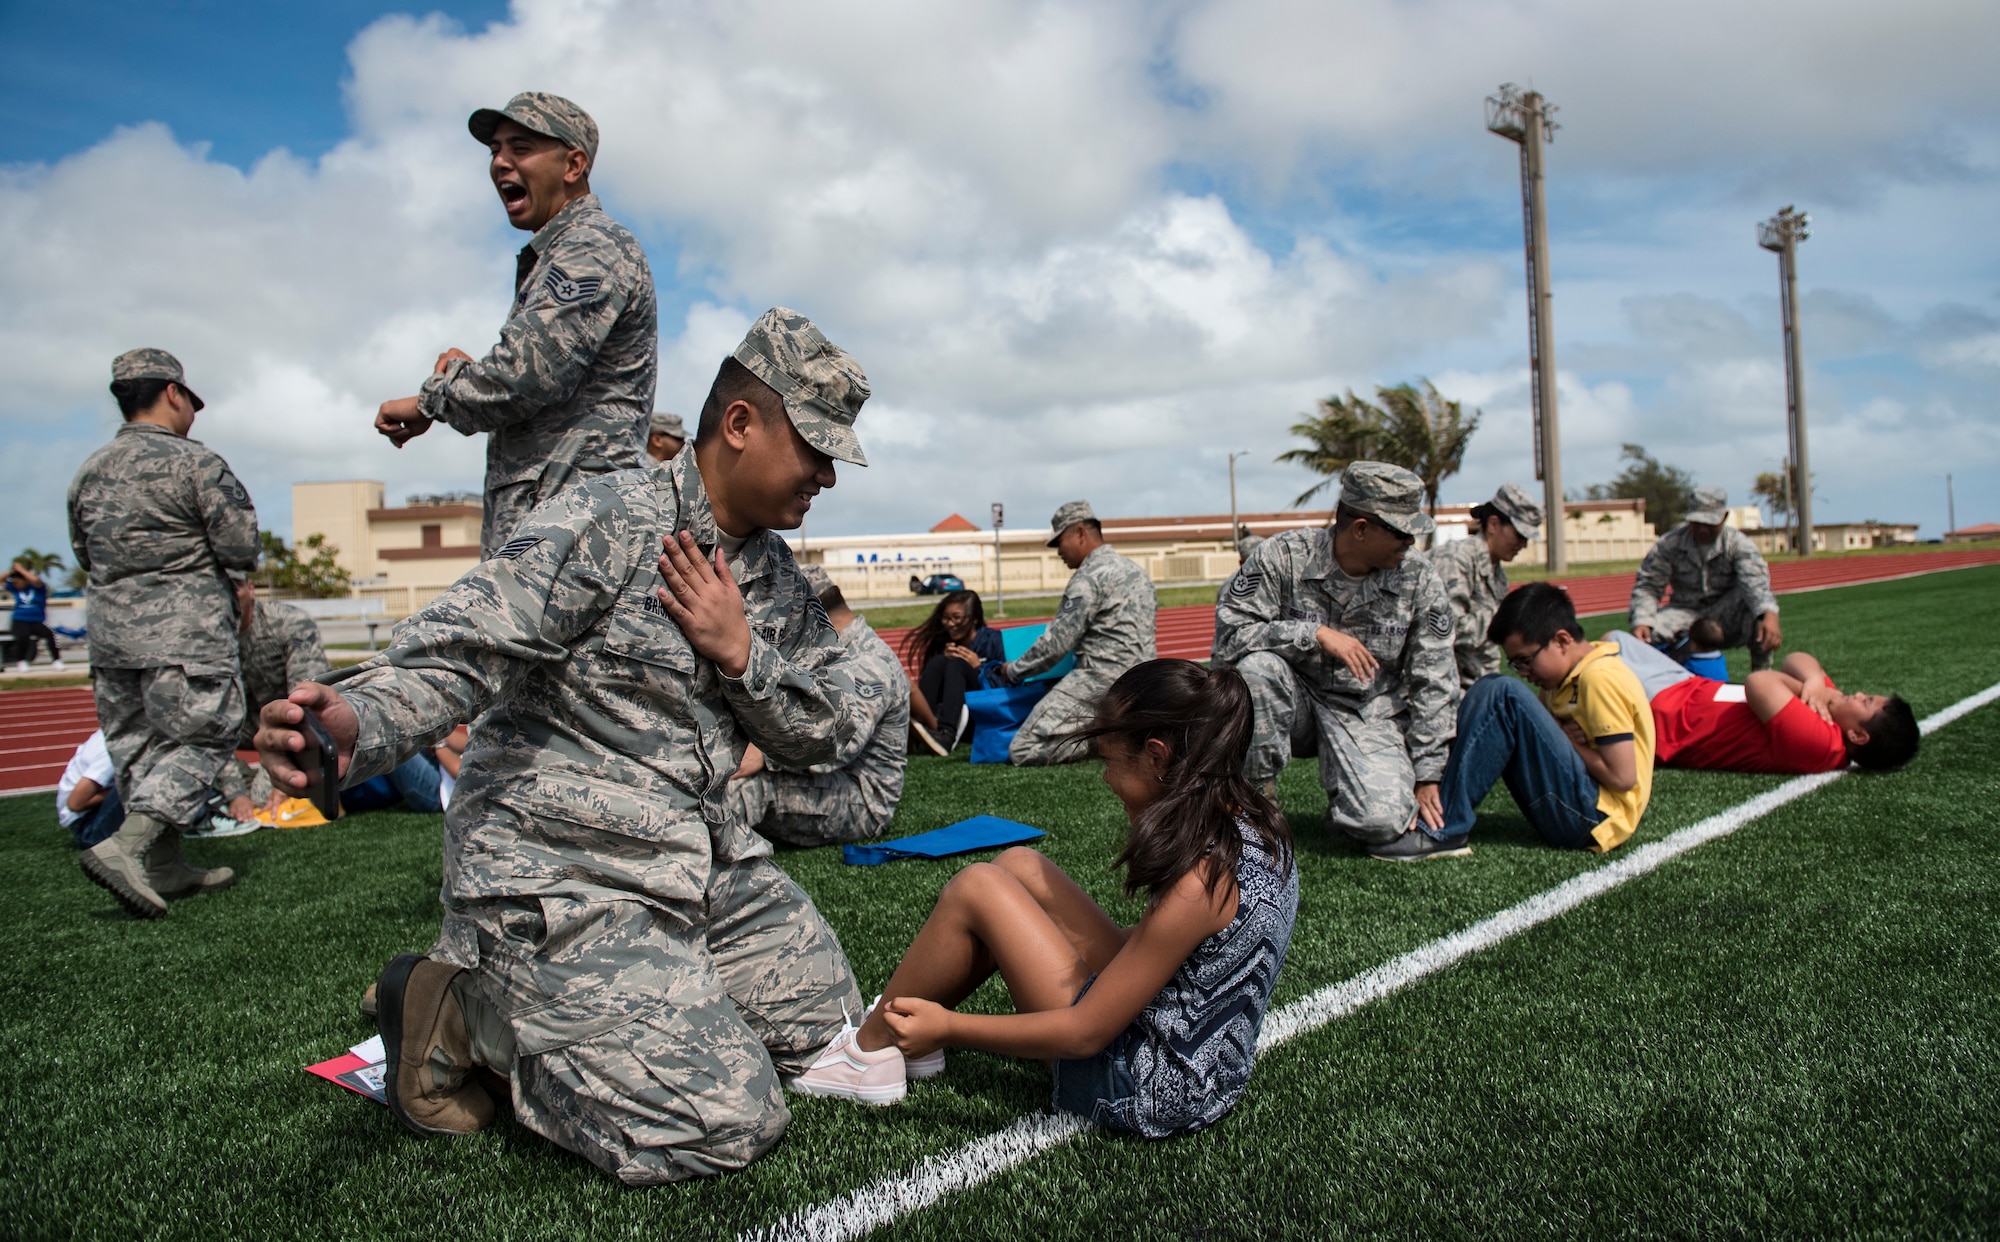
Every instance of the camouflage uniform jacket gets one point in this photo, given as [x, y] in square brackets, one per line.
[279, 650]
[571, 381]
[157, 519]
[1107, 616]
[1700, 576]
[601, 744]
[1475, 584]
[1290, 587]
[879, 750]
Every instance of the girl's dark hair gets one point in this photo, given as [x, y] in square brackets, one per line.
[928, 639]
[136, 396]
[1479, 515]
[1204, 716]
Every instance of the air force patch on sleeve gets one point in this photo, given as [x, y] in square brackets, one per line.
[514, 548]
[1439, 621]
[567, 290]
[1246, 584]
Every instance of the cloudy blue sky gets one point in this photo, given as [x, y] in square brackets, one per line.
[1081, 249]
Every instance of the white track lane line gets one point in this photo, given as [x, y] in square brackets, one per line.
[862, 1211]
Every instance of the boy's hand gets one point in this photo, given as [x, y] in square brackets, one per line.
[1820, 697]
[1430, 808]
[921, 1026]
[703, 599]
[1574, 732]
[1644, 633]
[1350, 651]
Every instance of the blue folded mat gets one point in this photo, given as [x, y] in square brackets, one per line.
[981, 832]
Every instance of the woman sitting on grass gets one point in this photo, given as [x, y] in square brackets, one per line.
[952, 647]
[1150, 1029]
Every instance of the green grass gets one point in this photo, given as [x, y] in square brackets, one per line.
[1789, 1031]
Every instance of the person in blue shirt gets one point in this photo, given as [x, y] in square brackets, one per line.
[31, 616]
[954, 650]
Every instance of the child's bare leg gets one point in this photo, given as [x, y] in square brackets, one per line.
[985, 920]
[920, 708]
[1089, 929]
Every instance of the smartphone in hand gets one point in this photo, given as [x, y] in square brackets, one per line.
[320, 761]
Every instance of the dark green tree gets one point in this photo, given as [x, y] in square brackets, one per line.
[309, 569]
[1665, 489]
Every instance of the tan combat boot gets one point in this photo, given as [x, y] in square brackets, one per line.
[429, 1081]
[171, 875]
[118, 863]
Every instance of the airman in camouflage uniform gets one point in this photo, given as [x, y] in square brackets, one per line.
[1475, 577]
[277, 647]
[158, 521]
[1380, 737]
[568, 391]
[1106, 617]
[632, 958]
[852, 797]
[1715, 572]
[667, 437]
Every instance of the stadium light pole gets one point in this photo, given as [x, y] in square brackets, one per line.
[1525, 118]
[1950, 507]
[1782, 234]
[1233, 527]
[999, 592]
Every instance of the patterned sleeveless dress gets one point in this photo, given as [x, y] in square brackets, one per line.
[1185, 1060]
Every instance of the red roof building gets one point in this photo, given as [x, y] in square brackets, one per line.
[952, 524]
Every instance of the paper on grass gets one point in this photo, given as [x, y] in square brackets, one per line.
[361, 1070]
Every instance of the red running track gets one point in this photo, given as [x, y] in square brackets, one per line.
[40, 729]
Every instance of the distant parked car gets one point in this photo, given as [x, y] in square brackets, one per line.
[936, 584]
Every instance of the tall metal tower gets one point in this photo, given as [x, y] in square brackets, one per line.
[1525, 117]
[1782, 233]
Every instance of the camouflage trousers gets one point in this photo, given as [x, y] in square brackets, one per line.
[1364, 760]
[169, 731]
[1070, 704]
[653, 1049]
[1734, 612]
[804, 808]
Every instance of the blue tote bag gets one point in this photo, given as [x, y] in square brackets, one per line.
[997, 716]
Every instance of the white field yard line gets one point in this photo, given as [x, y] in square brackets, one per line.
[862, 1211]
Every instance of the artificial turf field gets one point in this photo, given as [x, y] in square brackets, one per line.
[1794, 1030]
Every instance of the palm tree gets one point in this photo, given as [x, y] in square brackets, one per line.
[1414, 427]
[40, 562]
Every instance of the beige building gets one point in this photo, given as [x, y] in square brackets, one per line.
[1183, 550]
[1838, 536]
[406, 556]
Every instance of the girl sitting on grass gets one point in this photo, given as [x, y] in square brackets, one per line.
[1149, 1029]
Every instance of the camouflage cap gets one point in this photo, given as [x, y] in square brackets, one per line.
[669, 423]
[817, 579]
[1708, 505]
[1390, 494]
[551, 116]
[821, 383]
[138, 364]
[1067, 516]
[1248, 544]
[1514, 505]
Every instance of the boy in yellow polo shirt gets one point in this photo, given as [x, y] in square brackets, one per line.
[1579, 762]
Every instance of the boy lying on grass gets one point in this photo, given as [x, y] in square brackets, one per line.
[1792, 720]
[1579, 763]
[1149, 1029]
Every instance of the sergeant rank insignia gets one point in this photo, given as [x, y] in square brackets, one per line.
[566, 290]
